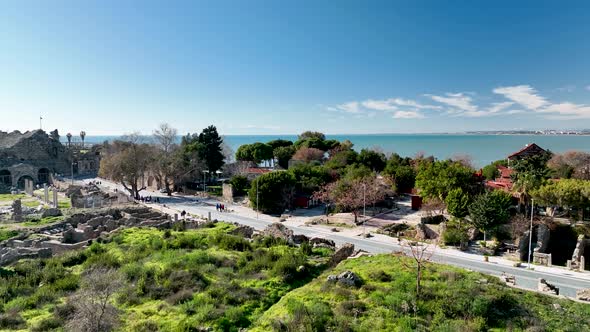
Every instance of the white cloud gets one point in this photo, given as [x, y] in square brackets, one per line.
[524, 95]
[408, 115]
[567, 88]
[379, 105]
[457, 100]
[393, 104]
[497, 107]
[350, 107]
[569, 110]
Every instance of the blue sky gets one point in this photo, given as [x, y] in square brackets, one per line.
[267, 67]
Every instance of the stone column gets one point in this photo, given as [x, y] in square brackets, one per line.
[582, 263]
[29, 187]
[175, 217]
[45, 194]
[54, 198]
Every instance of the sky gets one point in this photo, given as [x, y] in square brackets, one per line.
[282, 67]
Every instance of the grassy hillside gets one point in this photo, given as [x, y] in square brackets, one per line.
[172, 280]
[451, 300]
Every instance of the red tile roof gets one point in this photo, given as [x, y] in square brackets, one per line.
[256, 170]
[526, 147]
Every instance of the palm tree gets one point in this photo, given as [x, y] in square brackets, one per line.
[523, 185]
[69, 136]
[82, 135]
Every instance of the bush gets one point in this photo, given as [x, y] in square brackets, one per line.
[240, 184]
[11, 320]
[380, 275]
[454, 236]
[179, 297]
[48, 324]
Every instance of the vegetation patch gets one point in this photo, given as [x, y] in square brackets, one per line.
[450, 299]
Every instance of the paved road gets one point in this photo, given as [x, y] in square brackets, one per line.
[568, 284]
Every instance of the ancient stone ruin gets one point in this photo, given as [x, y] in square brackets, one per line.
[78, 231]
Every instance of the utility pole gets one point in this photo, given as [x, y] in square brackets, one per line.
[364, 206]
[531, 234]
[257, 198]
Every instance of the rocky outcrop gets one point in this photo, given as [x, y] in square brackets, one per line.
[341, 254]
[583, 294]
[279, 231]
[545, 287]
[321, 242]
[51, 212]
[346, 278]
[243, 231]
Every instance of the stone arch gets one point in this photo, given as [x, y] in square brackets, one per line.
[21, 181]
[43, 175]
[6, 178]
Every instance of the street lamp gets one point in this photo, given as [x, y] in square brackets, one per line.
[364, 206]
[531, 233]
[257, 199]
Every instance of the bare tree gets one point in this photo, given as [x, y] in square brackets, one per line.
[351, 195]
[127, 162]
[165, 165]
[166, 136]
[420, 255]
[93, 309]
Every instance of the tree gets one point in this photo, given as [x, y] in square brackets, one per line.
[262, 152]
[566, 193]
[491, 172]
[420, 255]
[93, 311]
[574, 164]
[341, 158]
[435, 180]
[352, 194]
[283, 154]
[246, 153]
[240, 184]
[308, 154]
[457, 203]
[372, 159]
[165, 166]
[310, 178]
[272, 192]
[210, 148]
[311, 134]
[127, 162]
[490, 210]
[277, 143]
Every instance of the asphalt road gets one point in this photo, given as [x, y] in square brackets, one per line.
[568, 284]
[524, 278]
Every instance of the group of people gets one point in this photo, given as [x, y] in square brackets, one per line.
[148, 199]
[220, 207]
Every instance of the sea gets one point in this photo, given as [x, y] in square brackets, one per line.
[481, 149]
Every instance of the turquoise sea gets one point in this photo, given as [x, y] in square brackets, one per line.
[482, 149]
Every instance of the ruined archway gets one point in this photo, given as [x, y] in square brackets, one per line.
[43, 175]
[21, 181]
[5, 178]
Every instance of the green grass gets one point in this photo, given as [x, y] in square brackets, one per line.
[176, 280]
[43, 221]
[11, 197]
[451, 300]
[6, 234]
